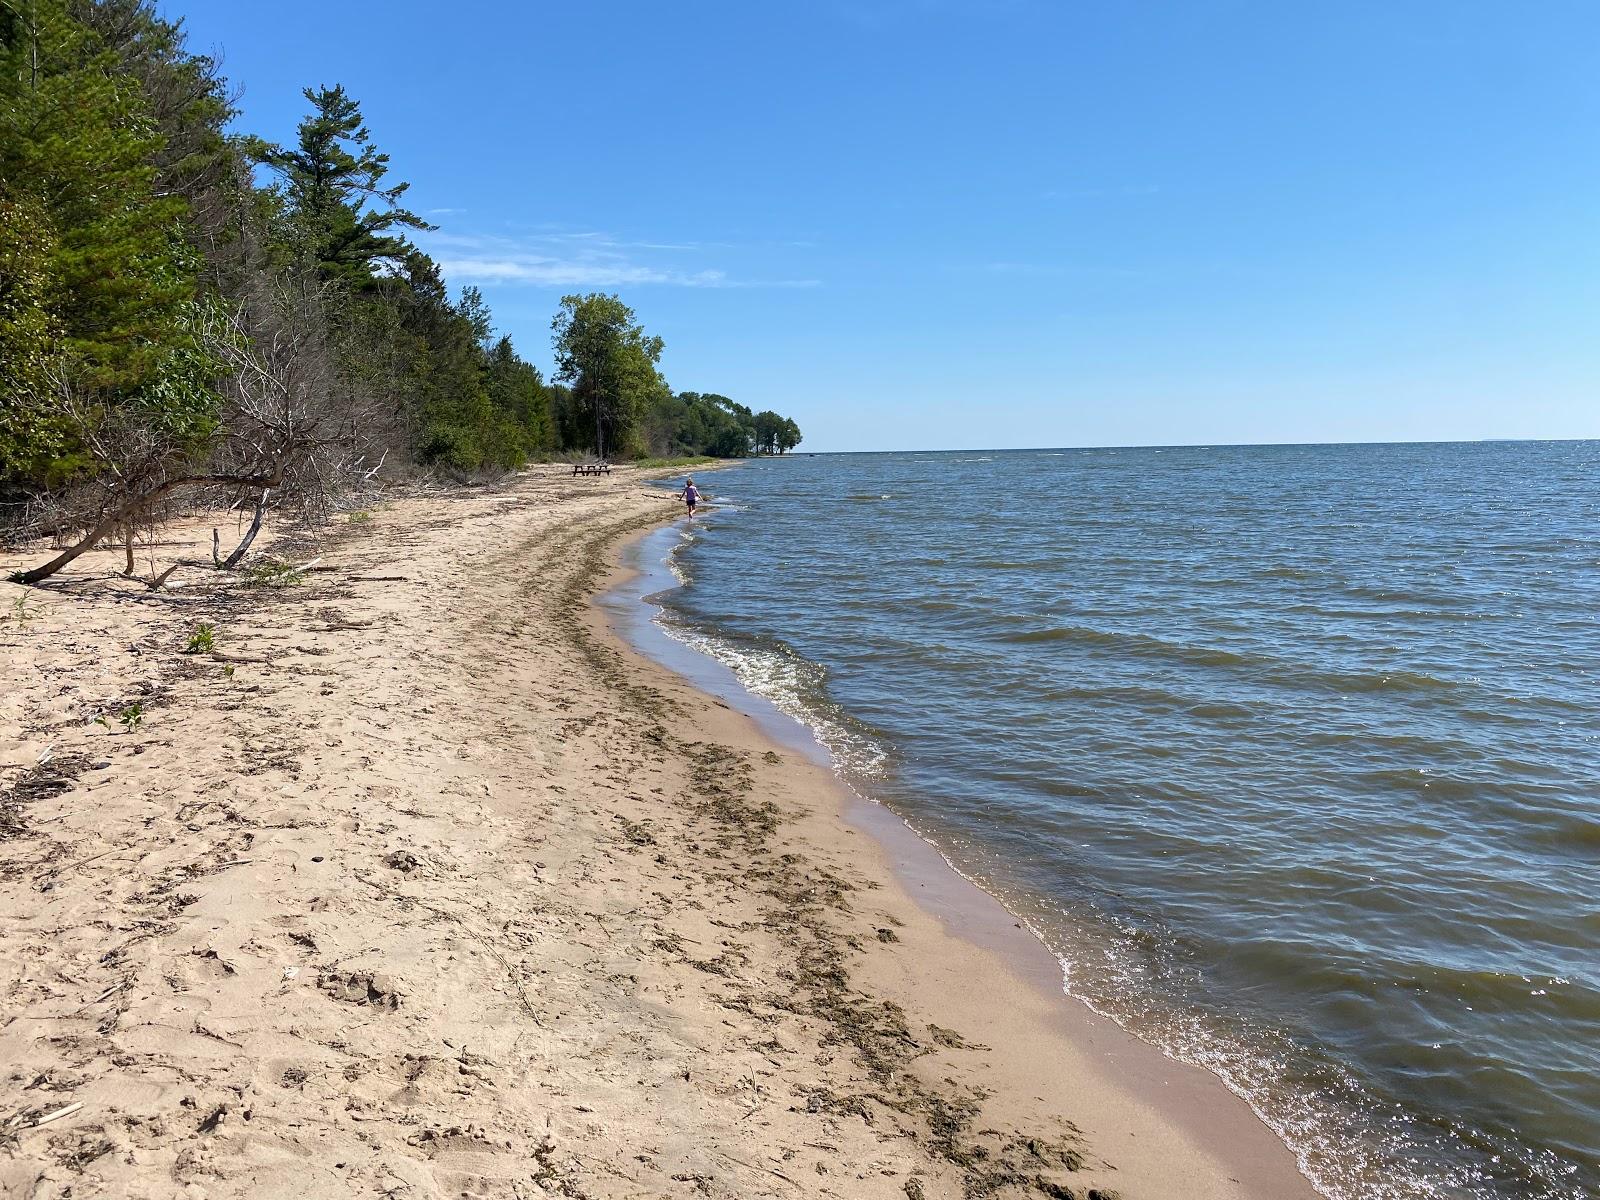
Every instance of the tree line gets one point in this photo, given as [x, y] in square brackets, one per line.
[184, 309]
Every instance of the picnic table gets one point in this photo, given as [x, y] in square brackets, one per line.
[591, 468]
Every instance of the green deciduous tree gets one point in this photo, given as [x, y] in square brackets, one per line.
[692, 423]
[610, 362]
[774, 434]
[768, 427]
[788, 436]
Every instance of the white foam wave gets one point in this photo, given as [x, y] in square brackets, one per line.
[790, 684]
[1346, 1154]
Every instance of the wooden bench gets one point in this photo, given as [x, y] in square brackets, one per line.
[591, 468]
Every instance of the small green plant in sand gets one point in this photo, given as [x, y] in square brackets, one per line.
[129, 718]
[360, 518]
[270, 572]
[24, 610]
[227, 671]
[203, 640]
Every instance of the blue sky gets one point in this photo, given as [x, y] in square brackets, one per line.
[952, 223]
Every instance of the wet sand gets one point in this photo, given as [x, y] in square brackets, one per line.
[423, 883]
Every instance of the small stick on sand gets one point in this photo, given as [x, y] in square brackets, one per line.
[66, 1111]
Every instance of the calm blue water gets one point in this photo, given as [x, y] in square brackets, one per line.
[1290, 753]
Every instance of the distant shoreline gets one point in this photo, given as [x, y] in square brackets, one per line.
[1484, 441]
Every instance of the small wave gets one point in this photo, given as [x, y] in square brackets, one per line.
[1272, 669]
[1390, 681]
[1329, 612]
[1002, 564]
[1132, 642]
[869, 496]
[674, 559]
[1578, 835]
[1218, 711]
[1402, 596]
[1436, 786]
[794, 686]
[1351, 1144]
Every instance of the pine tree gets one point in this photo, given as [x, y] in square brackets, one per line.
[36, 440]
[333, 188]
[107, 268]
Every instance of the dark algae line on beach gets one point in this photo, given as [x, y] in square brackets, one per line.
[1289, 753]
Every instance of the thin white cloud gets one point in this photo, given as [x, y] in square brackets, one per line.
[581, 258]
[553, 272]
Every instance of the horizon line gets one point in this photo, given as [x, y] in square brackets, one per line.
[1190, 446]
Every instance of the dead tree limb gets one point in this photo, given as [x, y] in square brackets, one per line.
[289, 427]
[239, 551]
[129, 509]
[157, 582]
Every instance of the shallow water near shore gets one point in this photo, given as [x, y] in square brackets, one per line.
[1288, 753]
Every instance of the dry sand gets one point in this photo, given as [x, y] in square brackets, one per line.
[422, 885]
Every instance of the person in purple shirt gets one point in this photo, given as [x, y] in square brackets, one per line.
[691, 496]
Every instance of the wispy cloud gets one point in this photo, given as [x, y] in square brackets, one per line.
[583, 258]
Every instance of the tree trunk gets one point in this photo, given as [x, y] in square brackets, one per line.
[106, 525]
[240, 550]
[129, 510]
[158, 581]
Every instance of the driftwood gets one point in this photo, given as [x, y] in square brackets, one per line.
[286, 427]
[243, 547]
[65, 1111]
[127, 513]
[157, 582]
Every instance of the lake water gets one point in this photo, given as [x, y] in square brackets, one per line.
[1290, 754]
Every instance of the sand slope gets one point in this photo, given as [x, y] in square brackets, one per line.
[425, 890]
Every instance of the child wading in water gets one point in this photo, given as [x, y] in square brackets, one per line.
[691, 496]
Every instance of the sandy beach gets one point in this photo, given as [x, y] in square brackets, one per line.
[419, 882]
